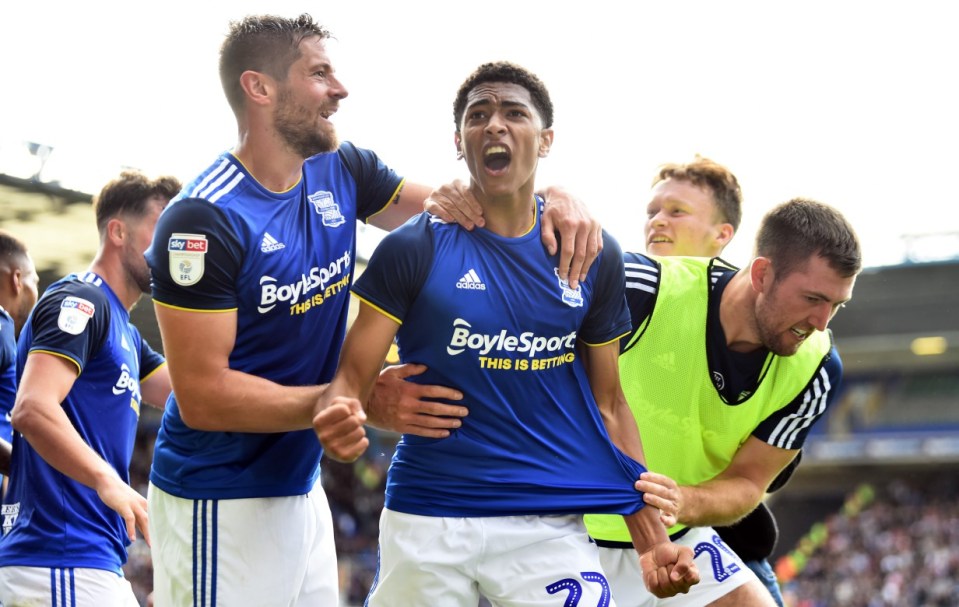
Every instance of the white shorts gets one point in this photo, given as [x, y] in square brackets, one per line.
[258, 551]
[721, 571]
[428, 561]
[23, 586]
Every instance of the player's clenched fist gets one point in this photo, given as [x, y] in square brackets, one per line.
[668, 569]
[339, 426]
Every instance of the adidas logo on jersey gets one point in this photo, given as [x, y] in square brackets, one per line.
[270, 244]
[471, 280]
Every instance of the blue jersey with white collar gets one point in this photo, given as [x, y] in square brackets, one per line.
[50, 520]
[284, 262]
[489, 316]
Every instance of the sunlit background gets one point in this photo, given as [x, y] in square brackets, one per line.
[852, 103]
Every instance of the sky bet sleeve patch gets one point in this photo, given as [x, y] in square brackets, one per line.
[187, 253]
[75, 312]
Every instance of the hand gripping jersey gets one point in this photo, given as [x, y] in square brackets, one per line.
[50, 520]
[489, 316]
[689, 432]
[284, 262]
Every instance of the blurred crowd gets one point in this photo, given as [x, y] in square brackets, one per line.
[896, 550]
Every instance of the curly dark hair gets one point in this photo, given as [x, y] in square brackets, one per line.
[504, 71]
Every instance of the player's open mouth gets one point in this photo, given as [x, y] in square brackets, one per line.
[496, 158]
[801, 335]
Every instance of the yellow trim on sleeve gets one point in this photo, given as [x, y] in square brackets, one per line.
[58, 355]
[605, 343]
[378, 309]
[151, 373]
[395, 196]
[172, 307]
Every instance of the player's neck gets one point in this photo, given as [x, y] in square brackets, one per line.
[737, 316]
[111, 270]
[272, 164]
[509, 215]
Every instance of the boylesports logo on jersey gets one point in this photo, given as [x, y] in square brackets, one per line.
[327, 208]
[75, 312]
[187, 255]
[527, 342]
[128, 383]
[270, 244]
[329, 280]
[471, 280]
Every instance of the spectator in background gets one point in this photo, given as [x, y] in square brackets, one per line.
[729, 368]
[18, 294]
[84, 372]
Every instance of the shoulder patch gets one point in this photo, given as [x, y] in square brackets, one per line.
[75, 312]
[187, 254]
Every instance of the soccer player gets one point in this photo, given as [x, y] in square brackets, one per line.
[84, 372]
[695, 209]
[496, 507]
[252, 265]
[729, 368]
[18, 294]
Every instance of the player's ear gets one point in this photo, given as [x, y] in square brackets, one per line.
[458, 142]
[258, 87]
[761, 274]
[115, 231]
[545, 142]
[724, 234]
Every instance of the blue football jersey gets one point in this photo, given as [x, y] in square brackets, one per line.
[284, 262]
[50, 520]
[8, 374]
[489, 316]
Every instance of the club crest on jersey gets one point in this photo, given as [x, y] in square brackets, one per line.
[571, 297]
[75, 312]
[187, 255]
[327, 208]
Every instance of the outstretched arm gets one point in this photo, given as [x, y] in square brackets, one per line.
[668, 569]
[727, 498]
[39, 416]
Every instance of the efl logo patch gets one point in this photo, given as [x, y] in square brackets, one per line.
[75, 312]
[187, 255]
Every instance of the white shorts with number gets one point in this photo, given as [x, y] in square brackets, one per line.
[231, 552]
[532, 561]
[720, 570]
[76, 587]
